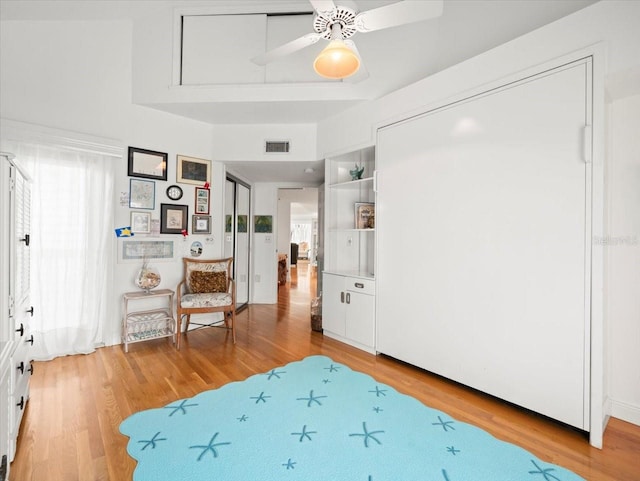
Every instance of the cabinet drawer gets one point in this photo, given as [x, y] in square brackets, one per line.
[364, 286]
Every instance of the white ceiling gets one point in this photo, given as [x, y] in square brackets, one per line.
[394, 57]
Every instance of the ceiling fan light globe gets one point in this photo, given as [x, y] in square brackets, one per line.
[336, 61]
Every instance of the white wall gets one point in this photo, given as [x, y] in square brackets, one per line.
[613, 24]
[246, 142]
[622, 247]
[76, 76]
[265, 256]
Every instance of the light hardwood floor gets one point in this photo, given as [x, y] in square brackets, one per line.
[70, 431]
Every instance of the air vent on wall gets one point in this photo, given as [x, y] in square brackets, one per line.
[276, 146]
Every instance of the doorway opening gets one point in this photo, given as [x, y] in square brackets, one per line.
[299, 243]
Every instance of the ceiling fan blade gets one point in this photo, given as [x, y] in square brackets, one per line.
[362, 73]
[399, 13]
[323, 5]
[286, 49]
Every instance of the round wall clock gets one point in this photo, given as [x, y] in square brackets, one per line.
[174, 192]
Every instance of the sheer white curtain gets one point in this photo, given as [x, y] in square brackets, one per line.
[72, 247]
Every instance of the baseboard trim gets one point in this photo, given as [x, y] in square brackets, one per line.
[625, 411]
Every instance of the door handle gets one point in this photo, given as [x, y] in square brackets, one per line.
[342, 297]
[30, 370]
[30, 311]
[21, 367]
[348, 298]
[26, 239]
[30, 339]
[21, 330]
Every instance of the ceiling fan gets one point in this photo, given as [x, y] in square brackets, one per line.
[340, 59]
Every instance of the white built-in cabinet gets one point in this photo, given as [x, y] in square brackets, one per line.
[15, 309]
[348, 295]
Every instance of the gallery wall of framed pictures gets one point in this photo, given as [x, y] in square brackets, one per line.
[156, 185]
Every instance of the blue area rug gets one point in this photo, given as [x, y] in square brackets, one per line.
[317, 420]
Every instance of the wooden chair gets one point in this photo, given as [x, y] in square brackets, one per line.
[207, 287]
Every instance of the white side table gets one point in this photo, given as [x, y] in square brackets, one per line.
[149, 324]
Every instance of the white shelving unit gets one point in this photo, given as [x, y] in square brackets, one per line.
[349, 274]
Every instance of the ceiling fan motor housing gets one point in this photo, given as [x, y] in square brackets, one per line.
[344, 16]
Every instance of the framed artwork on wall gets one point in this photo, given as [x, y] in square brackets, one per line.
[201, 224]
[193, 171]
[263, 224]
[142, 194]
[173, 218]
[140, 222]
[148, 164]
[202, 200]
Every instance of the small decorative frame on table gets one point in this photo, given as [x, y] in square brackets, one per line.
[141, 222]
[201, 224]
[147, 164]
[142, 194]
[365, 215]
[202, 200]
[193, 171]
[173, 218]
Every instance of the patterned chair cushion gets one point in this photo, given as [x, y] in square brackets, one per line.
[211, 299]
[192, 267]
[202, 281]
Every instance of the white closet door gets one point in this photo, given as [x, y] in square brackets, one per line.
[490, 194]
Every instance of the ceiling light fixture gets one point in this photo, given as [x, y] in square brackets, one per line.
[337, 60]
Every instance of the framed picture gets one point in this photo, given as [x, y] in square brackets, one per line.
[202, 200]
[131, 250]
[173, 218]
[142, 194]
[141, 222]
[147, 163]
[263, 224]
[365, 215]
[242, 223]
[193, 171]
[201, 224]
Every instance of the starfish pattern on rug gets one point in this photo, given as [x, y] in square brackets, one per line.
[209, 447]
[274, 373]
[311, 399]
[379, 392]
[305, 433]
[152, 442]
[378, 409]
[289, 464]
[260, 397]
[367, 435]
[452, 450]
[332, 368]
[544, 472]
[242, 418]
[445, 424]
[181, 407]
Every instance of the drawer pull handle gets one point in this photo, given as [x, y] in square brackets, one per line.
[21, 403]
[30, 311]
[30, 339]
[21, 330]
[21, 367]
[359, 285]
[30, 370]
[342, 297]
[348, 298]
[26, 239]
